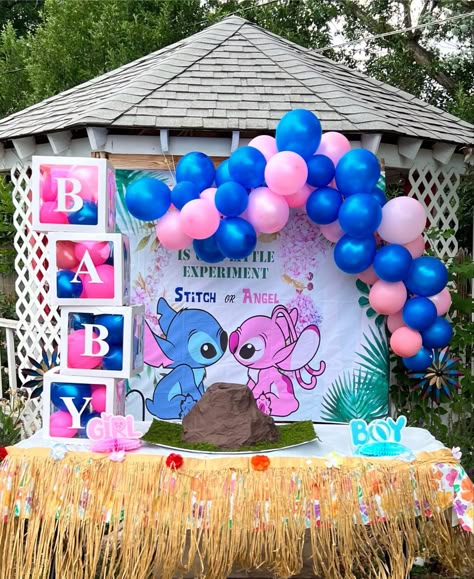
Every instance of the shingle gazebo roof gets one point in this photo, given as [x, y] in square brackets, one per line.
[236, 76]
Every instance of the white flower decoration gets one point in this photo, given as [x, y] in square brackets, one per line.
[117, 456]
[456, 452]
[58, 451]
[333, 460]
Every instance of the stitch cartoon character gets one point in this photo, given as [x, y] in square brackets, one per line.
[273, 351]
[192, 340]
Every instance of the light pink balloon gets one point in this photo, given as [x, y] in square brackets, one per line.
[88, 176]
[286, 173]
[416, 247]
[99, 398]
[403, 220]
[104, 290]
[76, 345]
[386, 297]
[266, 145]
[395, 321]
[442, 301]
[199, 219]
[48, 214]
[299, 198]
[368, 276]
[60, 423]
[267, 211]
[169, 232]
[406, 342]
[333, 145]
[332, 231]
[98, 250]
[209, 194]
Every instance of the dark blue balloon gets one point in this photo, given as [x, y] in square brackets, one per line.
[392, 262]
[110, 259]
[427, 276]
[86, 417]
[87, 214]
[236, 237]
[222, 173]
[247, 166]
[354, 255]
[114, 325]
[69, 390]
[420, 361]
[231, 199]
[207, 250]
[113, 360]
[438, 335]
[148, 199]
[65, 287]
[360, 215]
[323, 205]
[357, 172]
[183, 192]
[299, 131]
[76, 321]
[379, 195]
[197, 168]
[419, 313]
[321, 171]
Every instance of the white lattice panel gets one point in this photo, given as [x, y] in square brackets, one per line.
[436, 189]
[37, 319]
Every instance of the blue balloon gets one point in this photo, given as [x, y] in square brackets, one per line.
[231, 199]
[76, 321]
[197, 168]
[419, 313]
[148, 199]
[110, 259]
[354, 255]
[86, 417]
[360, 215]
[438, 335]
[357, 172]
[247, 166]
[69, 390]
[236, 237]
[113, 360]
[323, 205]
[392, 262]
[321, 171]
[65, 287]
[299, 131]
[207, 250]
[379, 195]
[420, 361]
[427, 276]
[87, 214]
[114, 325]
[183, 192]
[222, 173]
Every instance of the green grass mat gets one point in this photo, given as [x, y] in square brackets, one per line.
[169, 434]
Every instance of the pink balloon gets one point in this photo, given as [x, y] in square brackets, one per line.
[266, 145]
[48, 214]
[332, 231]
[368, 276]
[333, 145]
[395, 321]
[169, 232]
[209, 194]
[99, 398]
[442, 301]
[88, 176]
[286, 173]
[65, 255]
[103, 290]
[416, 247]
[76, 345]
[299, 198]
[199, 219]
[98, 250]
[403, 220]
[267, 211]
[60, 423]
[48, 182]
[406, 342]
[386, 297]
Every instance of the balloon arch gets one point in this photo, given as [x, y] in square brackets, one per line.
[221, 212]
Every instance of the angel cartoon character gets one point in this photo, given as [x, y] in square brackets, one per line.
[274, 353]
[192, 341]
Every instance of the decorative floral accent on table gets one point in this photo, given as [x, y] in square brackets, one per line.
[174, 461]
[260, 462]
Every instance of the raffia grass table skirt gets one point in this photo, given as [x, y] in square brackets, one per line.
[87, 517]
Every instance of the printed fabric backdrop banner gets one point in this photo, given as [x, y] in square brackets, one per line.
[285, 321]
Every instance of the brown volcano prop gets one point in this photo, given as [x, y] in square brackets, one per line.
[227, 416]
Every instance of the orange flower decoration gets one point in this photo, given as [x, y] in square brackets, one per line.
[260, 462]
[467, 489]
